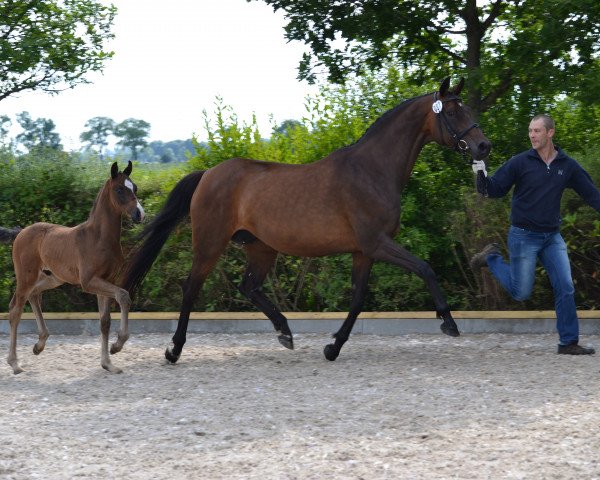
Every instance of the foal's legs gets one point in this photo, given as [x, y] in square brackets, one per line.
[14, 317]
[260, 261]
[104, 309]
[45, 282]
[389, 251]
[35, 300]
[104, 288]
[27, 277]
[361, 269]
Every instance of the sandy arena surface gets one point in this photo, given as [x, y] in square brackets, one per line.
[243, 407]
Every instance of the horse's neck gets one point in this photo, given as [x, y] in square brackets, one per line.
[390, 148]
[104, 219]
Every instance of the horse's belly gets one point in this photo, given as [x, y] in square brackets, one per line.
[309, 243]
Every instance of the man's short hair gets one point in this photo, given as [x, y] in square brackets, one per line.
[547, 119]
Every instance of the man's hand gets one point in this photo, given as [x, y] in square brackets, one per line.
[479, 166]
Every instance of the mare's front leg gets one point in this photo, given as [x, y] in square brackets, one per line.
[104, 309]
[389, 251]
[361, 269]
[261, 259]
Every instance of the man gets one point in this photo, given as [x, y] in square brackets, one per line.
[539, 176]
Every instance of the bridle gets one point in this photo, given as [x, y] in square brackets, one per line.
[460, 145]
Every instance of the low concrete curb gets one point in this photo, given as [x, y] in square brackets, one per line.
[377, 323]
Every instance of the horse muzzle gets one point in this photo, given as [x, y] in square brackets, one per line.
[138, 214]
[481, 150]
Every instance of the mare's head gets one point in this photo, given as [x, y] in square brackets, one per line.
[452, 124]
[123, 191]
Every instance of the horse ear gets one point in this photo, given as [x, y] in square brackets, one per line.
[458, 88]
[444, 86]
[127, 171]
[114, 170]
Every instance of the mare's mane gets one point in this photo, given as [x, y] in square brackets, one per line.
[379, 122]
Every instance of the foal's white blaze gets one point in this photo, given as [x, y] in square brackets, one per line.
[129, 185]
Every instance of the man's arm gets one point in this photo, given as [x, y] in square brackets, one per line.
[583, 184]
[498, 184]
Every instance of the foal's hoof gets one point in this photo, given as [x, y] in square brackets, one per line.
[450, 330]
[109, 367]
[331, 352]
[286, 340]
[114, 348]
[37, 350]
[170, 356]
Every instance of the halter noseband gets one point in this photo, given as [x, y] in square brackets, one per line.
[459, 144]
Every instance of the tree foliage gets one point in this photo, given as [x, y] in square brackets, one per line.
[38, 133]
[97, 133]
[133, 134]
[529, 50]
[50, 45]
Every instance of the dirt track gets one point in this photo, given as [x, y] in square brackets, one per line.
[242, 407]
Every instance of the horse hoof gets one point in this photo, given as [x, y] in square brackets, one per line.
[37, 350]
[111, 368]
[17, 370]
[286, 340]
[170, 356]
[331, 353]
[450, 330]
[114, 348]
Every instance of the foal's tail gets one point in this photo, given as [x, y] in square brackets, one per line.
[8, 235]
[155, 234]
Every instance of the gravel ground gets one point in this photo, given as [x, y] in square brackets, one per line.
[243, 407]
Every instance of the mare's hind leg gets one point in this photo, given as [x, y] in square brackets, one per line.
[389, 251]
[104, 309]
[260, 261]
[361, 269]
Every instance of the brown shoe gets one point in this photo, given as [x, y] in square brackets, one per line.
[480, 259]
[575, 349]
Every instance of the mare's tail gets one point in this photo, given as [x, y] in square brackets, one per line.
[155, 234]
[8, 235]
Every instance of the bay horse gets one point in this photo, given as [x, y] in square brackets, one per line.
[46, 256]
[347, 202]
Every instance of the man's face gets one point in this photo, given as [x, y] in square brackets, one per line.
[538, 135]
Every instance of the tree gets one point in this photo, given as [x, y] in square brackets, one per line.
[50, 45]
[526, 51]
[4, 127]
[99, 129]
[37, 133]
[133, 134]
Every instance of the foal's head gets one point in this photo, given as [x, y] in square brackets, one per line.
[123, 191]
[452, 123]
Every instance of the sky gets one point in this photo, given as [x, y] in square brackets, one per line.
[172, 59]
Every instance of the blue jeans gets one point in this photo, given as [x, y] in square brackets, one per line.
[517, 277]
